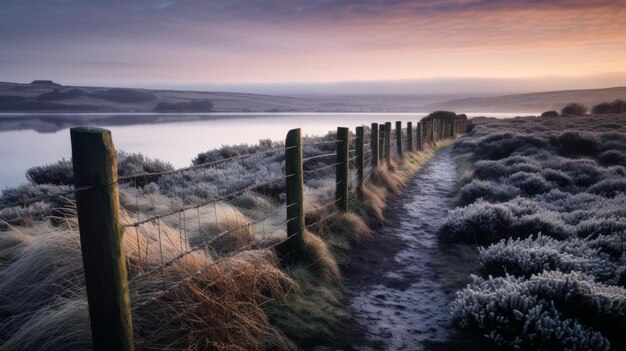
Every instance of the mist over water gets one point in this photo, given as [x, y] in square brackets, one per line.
[23, 147]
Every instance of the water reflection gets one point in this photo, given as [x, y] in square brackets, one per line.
[27, 140]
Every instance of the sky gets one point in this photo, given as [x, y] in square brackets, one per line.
[317, 46]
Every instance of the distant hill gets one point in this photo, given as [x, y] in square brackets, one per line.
[48, 96]
[530, 103]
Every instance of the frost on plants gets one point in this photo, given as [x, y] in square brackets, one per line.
[548, 204]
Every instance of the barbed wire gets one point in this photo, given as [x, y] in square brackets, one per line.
[318, 156]
[324, 218]
[202, 246]
[209, 202]
[203, 165]
[323, 142]
[322, 168]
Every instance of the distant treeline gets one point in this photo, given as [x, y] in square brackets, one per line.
[576, 109]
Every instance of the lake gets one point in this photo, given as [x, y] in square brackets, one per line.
[28, 140]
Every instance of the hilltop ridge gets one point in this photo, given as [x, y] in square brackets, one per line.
[48, 96]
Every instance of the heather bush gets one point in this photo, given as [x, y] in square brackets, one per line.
[28, 190]
[58, 173]
[557, 177]
[584, 172]
[546, 222]
[501, 145]
[548, 199]
[609, 187]
[480, 222]
[576, 143]
[487, 190]
[529, 183]
[494, 169]
[602, 108]
[612, 158]
[505, 313]
[525, 257]
[574, 109]
[617, 106]
[550, 114]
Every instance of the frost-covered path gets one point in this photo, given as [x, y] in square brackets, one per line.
[392, 286]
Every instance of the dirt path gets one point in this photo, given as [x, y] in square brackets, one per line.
[393, 289]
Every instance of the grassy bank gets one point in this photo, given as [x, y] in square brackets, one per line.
[544, 200]
[234, 294]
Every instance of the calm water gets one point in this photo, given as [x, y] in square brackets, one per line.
[22, 145]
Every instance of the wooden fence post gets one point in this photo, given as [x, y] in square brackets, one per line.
[418, 136]
[409, 136]
[104, 262]
[399, 137]
[295, 192]
[388, 143]
[432, 131]
[360, 161]
[374, 147]
[343, 150]
[381, 144]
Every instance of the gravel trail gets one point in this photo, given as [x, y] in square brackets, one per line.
[394, 293]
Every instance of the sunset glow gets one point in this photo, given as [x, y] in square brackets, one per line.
[245, 41]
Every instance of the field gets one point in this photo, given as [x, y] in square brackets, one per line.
[542, 202]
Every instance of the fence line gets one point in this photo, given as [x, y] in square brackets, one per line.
[101, 229]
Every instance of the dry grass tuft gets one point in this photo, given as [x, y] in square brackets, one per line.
[216, 222]
[221, 309]
[384, 178]
[351, 226]
[318, 260]
[374, 203]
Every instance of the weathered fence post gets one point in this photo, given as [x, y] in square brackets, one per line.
[343, 149]
[381, 144]
[418, 135]
[295, 192]
[432, 131]
[104, 262]
[388, 143]
[374, 146]
[399, 137]
[360, 161]
[409, 135]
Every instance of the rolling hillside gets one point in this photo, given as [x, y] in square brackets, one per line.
[531, 103]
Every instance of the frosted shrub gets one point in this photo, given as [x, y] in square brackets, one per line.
[548, 223]
[27, 190]
[529, 183]
[502, 145]
[559, 221]
[557, 177]
[58, 173]
[583, 172]
[477, 223]
[508, 313]
[612, 157]
[609, 187]
[487, 190]
[595, 226]
[576, 143]
[490, 169]
[530, 256]
[136, 163]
